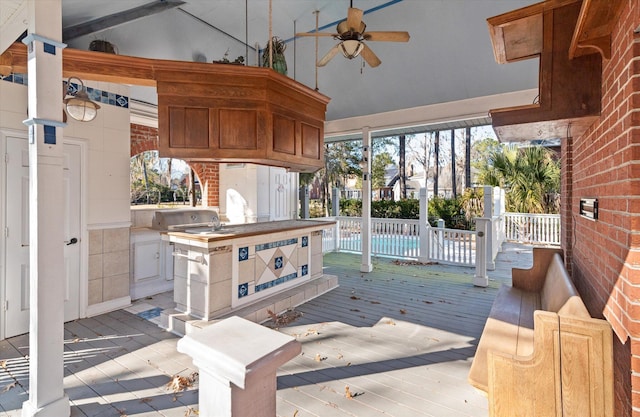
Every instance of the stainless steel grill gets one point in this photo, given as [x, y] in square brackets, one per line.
[182, 219]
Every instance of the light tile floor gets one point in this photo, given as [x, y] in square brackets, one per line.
[400, 338]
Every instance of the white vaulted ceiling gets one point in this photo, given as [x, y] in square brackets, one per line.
[448, 58]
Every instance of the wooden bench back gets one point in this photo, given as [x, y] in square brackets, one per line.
[558, 293]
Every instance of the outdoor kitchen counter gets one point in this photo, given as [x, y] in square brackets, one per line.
[218, 272]
[206, 236]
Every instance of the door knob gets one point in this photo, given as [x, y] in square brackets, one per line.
[73, 241]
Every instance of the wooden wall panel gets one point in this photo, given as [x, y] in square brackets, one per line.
[284, 134]
[311, 142]
[238, 129]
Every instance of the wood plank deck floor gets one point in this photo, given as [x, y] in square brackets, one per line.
[400, 338]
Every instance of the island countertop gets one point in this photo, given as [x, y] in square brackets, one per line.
[206, 234]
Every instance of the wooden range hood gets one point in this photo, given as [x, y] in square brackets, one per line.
[570, 37]
[212, 112]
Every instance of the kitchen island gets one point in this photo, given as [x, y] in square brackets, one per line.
[220, 272]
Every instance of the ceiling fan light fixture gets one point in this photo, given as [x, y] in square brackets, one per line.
[351, 48]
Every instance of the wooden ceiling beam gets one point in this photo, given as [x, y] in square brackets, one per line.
[117, 19]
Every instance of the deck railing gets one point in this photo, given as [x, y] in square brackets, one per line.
[532, 228]
[400, 238]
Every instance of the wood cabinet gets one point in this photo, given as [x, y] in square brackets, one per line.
[570, 94]
[241, 114]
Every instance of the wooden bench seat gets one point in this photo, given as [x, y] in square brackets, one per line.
[540, 353]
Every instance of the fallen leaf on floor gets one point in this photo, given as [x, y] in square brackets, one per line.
[353, 297]
[9, 386]
[3, 364]
[285, 318]
[320, 358]
[375, 302]
[403, 311]
[191, 411]
[404, 263]
[122, 413]
[391, 322]
[340, 356]
[180, 383]
[347, 392]
[76, 340]
[146, 400]
[428, 302]
[295, 413]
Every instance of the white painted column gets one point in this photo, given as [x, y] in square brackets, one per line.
[46, 211]
[424, 228]
[365, 233]
[489, 235]
[481, 279]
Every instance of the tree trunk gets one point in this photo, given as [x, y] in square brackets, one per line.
[436, 145]
[467, 158]
[454, 190]
[402, 169]
[146, 178]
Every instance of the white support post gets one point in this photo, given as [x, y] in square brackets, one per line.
[481, 279]
[489, 234]
[425, 238]
[365, 233]
[237, 361]
[46, 211]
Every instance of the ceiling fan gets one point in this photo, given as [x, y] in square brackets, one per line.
[351, 34]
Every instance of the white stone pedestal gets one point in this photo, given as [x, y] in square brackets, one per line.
[238, 360]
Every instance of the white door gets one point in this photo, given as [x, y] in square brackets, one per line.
[17, 236]
[280, 199]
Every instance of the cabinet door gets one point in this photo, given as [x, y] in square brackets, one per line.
[146, 260]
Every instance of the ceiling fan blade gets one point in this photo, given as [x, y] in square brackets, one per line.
[316, 34]
[387, 36]
[370, 57]
[354, 19]
[325, 59]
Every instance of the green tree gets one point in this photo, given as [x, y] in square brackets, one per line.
[378, 169]
[529, 175]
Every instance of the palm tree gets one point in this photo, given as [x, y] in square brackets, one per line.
[528, 174]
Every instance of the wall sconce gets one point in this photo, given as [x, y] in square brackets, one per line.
[78, 105]
[351, 48]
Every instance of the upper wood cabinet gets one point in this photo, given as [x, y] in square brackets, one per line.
[570, 93]
[212, 112]
[241, 114]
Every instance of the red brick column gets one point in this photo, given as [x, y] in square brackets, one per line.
[209, 175]
[145, 138]
[605, 254]
[566, 200]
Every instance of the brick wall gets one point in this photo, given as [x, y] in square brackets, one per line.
[145, 138]
[209, 175]
[605, 254]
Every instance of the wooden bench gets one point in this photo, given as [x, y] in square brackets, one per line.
[541, 354]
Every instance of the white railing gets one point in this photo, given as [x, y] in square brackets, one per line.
[532, 228]
[452, 246]
[400, 238]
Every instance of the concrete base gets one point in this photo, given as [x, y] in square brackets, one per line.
[58, 408]
[182, 324]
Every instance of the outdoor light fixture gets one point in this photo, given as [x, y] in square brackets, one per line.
[351, 48]
[78, 104]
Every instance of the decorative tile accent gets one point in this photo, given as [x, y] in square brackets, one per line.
[49, 135]
[50, 49]
[100, 96]
[305, 241]
[277, 262]
[243, 253]
[304, 270]
[276, 244]
[275, 282]
[243, 290]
